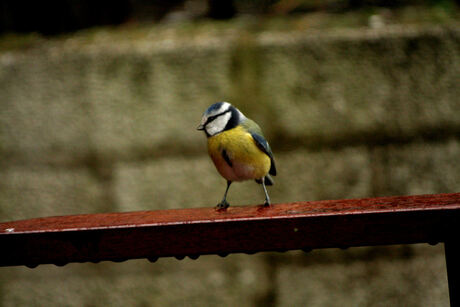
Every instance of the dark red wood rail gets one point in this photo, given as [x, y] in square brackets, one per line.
[194, 232]
[249, 229]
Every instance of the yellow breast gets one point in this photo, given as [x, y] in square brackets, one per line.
[247, 160]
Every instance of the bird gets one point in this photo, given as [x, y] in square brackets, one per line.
[237, 147]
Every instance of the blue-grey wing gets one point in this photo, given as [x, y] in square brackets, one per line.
[263, 145]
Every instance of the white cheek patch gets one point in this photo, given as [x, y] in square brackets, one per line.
[218, 125]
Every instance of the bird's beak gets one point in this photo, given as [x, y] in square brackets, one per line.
[200, 127]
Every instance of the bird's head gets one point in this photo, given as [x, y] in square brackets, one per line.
[219, 117]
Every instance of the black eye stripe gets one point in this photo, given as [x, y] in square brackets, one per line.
[211, 118]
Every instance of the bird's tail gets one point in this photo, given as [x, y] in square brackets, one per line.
[268, 180]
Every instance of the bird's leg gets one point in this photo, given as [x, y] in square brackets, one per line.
[267, 198]
[224, 204]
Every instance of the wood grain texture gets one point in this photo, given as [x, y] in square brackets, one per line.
[247, 229]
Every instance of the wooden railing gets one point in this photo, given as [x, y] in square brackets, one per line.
[193, 232]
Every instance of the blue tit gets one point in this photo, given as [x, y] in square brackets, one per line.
[237, 147]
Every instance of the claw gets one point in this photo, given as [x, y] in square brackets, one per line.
[222, 205]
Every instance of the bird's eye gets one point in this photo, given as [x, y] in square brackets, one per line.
[211, 118]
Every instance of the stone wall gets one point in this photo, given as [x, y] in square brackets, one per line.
[106, 122]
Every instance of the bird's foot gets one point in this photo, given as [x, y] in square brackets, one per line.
[222, 205]
[267, 203]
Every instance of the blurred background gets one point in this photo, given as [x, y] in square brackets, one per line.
[99, 101]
